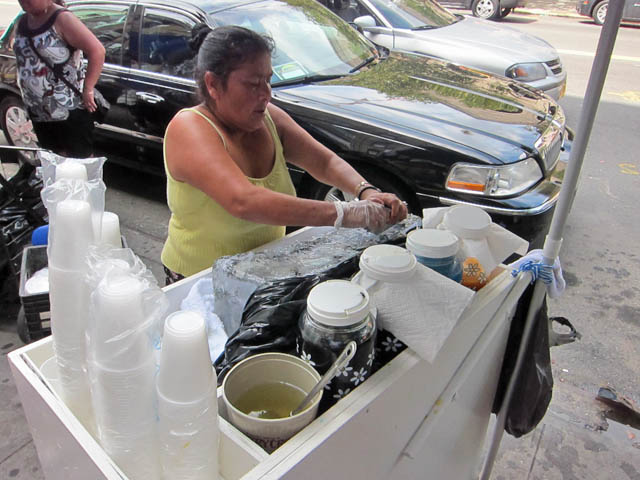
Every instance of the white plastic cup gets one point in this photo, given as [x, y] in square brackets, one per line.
[111, 230]
[119, 337]
[71, 234]
[123, 399]
[188, 434]
[71, 170]
[185, 373]
[124, 404]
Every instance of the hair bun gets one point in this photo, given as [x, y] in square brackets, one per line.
[198, 34]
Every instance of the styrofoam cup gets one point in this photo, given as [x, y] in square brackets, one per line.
[185, 373]
[118, 336]
[71, 170]
[111, 230]
[71, 234]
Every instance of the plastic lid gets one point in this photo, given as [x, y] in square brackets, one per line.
[339, 303]
[467, 221]
[388, 263]
[432, 243]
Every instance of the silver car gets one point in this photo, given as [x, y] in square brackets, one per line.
[425, 27]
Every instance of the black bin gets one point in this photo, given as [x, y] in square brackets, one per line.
[34, 320]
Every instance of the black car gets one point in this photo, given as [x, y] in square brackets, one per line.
[491, 9]
[597, 9]
[432, 132]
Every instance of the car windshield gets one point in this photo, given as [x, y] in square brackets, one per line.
[414, 14]
[311, 42]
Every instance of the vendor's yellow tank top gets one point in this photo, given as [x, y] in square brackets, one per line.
[201, 231]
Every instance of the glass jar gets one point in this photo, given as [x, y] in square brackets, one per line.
[337, 312]
[436, 249]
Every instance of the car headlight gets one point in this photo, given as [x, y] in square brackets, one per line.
[494, 181]
[527, 72]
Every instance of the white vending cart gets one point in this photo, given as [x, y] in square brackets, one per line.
[411, 419]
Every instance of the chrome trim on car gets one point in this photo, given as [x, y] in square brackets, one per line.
[130, 133]
[549, 203]
[164, 77]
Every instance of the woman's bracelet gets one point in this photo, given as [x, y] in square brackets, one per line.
[364, 189]
[361, 187]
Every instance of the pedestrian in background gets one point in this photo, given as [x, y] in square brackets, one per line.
[57, 89]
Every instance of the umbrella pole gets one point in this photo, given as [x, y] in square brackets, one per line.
[553, 241]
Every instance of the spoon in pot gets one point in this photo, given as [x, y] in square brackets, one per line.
[343, 359]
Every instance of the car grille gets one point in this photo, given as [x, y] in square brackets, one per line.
[555, 66]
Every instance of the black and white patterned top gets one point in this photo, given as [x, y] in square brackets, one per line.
[47, 98]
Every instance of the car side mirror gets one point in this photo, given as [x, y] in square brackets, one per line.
[365, 21]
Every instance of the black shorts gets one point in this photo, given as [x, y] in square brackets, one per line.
[72, 137]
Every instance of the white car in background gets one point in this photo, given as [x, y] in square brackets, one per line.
[425, 27]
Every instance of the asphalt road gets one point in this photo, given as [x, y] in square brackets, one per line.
[600, 257]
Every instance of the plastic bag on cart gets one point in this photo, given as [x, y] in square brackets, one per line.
[534, 385]
[90, 168]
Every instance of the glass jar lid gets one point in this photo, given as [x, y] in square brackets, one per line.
[467, 221]
[338, 303]
[388, 263]
[432, 243]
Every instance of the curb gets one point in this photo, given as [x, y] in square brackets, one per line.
[553, 13]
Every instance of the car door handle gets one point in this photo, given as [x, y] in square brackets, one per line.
[149, 97]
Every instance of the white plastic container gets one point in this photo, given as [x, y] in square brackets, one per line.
[436, 249]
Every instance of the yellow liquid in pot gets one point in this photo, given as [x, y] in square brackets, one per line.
[270, 400]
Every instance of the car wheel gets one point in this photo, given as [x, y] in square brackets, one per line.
[505, 11]
[485, 9]
[16, 125]
[320, 191]
[600, 12]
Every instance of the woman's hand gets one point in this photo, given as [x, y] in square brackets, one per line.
[397, 208]
[373, 216]
[88, 100]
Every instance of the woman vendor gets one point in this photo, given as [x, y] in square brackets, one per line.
[228, 186]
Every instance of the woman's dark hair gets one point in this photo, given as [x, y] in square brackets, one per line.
[223, 49]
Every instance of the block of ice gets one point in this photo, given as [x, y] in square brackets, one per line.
[314, 251]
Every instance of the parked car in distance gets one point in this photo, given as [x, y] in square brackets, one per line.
[597, 9]
[427, 28]
[433, 132]
[490, 9]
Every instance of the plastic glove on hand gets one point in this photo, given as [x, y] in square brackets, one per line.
[362, 214]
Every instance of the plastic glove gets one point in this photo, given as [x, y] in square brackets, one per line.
[365, 214]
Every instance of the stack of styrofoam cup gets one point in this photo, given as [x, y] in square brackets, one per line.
[71, 170]
[111, 230]
[187, 406]
[122, 366]
[70, 237]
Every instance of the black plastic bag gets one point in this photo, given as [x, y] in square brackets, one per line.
[270, 317]
[534, 385]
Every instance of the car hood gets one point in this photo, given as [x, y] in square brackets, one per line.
[483, 44]
[426, 99]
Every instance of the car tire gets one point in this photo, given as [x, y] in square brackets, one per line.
[505, 11]
[17, 128]
[488, 9]
[600, 12]
[320, 191]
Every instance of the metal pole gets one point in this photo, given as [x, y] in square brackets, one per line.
[553, 240]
